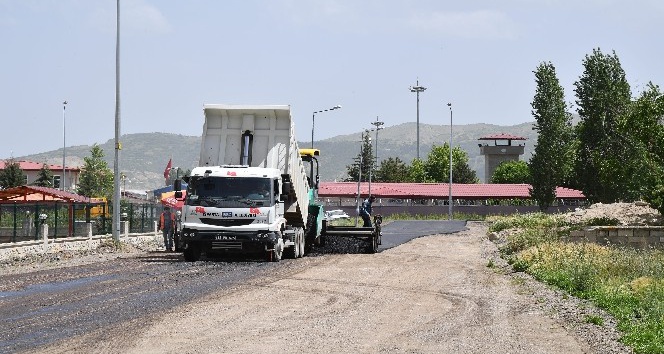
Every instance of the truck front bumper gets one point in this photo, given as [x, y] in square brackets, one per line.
[229, 241]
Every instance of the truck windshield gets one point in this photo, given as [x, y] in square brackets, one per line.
[229, 191]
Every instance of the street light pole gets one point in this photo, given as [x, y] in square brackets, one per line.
[450, 191]
[359, 181]
[64, 144]
[118, 145]
[417, 89]
[370, 162]
[377, 124]
[313, 121]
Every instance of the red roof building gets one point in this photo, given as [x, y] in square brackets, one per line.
[439, 191]
[31, 170]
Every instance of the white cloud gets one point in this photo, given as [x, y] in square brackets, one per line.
[141, 16]
[135, 16]
[315, 12]
[473, 24]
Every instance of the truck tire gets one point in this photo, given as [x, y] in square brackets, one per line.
[275, 254]
[293, 251]
[372, 247]
[176, 242]
[302, 242]
[192, 253]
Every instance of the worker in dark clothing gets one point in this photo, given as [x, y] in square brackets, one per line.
[166, 225]
[366, 211]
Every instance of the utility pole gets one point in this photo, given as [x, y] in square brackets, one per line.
[450, 191]
[417, 89]
[377, 124]
[118, 145]
[64, 144]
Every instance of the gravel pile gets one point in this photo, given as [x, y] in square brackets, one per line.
[627, 214]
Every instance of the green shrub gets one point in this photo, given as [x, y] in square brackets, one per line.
[627, 283]
[525, 221]
[602, 221]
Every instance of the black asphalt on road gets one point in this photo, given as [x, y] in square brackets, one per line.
[46, 306]
[399, 232]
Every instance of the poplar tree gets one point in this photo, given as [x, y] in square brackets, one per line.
[603, 97]
[645, 163]
[363, 162]
[551, 163]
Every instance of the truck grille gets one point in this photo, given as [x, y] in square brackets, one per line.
[226, 245]
[226, 222]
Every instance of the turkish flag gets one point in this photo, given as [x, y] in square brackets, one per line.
[167, 171]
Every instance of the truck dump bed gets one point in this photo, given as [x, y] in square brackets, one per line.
[257, 136]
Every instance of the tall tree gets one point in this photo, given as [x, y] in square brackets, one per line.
[437, 165]
[392, 170]
[417, 172]
[12, 175]
[603, 97]
[645, 133]
[513, 172]
[552, 161]
[363, 162]
[96, 179]
[44, 177]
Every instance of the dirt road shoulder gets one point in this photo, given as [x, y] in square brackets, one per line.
[433, 294]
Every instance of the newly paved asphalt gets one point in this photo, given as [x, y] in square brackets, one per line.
[398, 232]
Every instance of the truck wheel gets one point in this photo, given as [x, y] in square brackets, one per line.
[278, 251]
[372, 247]
[298, 244]
[192, 253]
[302, 242]
[176, 242]
[293, 251]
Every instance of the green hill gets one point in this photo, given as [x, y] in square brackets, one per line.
[144, 156]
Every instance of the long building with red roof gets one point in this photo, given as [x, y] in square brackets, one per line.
[439, 191]
[432, 198]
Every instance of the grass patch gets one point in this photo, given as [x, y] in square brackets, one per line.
[445, 216]
[594, 319]
[627, 283]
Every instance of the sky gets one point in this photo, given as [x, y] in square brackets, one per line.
[176, 56]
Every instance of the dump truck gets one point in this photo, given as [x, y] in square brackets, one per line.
[251, 193]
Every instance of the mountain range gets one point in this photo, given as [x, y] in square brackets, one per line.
[144, 156]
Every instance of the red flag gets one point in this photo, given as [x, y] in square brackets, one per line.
[167, 171]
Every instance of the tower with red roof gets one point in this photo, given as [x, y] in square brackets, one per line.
[502, 150]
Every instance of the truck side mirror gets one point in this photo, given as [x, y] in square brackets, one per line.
[285, 191]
